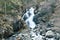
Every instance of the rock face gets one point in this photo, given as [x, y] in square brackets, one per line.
[17, 25]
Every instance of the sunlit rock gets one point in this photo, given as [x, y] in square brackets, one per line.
[50, 33]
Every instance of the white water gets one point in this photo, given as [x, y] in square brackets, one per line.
[29, 21]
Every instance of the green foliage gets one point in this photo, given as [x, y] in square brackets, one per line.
[7, 6]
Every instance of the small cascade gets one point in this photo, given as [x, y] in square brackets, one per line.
[28, 18]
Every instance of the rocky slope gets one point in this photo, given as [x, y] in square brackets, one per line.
[12, 27]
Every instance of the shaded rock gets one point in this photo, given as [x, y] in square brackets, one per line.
[19, 24]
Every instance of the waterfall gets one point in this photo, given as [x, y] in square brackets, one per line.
[28, 17]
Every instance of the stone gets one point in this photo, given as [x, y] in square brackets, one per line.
[50, 33]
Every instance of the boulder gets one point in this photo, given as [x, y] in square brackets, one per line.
[50, 33]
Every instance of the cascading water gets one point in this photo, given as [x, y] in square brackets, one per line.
[28, 16]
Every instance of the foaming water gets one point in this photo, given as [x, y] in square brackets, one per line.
[29, 18]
